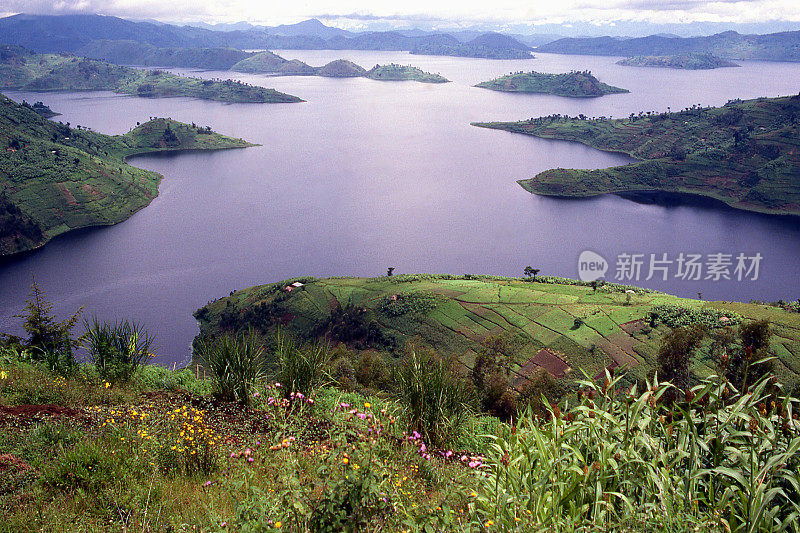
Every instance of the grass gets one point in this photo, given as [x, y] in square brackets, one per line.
[743, 154]
[55, 178]
[456, 315]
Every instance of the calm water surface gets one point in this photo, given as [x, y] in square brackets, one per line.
[368, 174]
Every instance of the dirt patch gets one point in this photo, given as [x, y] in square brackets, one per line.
[634, 326]
[12, 463]
[25, 415]
[67, 195]
[546, 359]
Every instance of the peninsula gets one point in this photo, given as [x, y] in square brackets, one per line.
[695, 61]
[55, 178]
[744, 153]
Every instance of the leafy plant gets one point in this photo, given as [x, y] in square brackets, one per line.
[235, 362]
[437, 400]
[118, 350]
[301, 369]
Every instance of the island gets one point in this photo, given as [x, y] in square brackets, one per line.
[21, 69]
[55, 178]
[744, 153]
[695, 61]
[275, 65]
[573, 84]
[393, 72]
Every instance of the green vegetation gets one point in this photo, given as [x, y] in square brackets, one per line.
[23, 70]
[164, 450]
[394, 72]
[744, 153]
[55, 178]
[118, 350]
[459, 316]
[696, 61]
[573, 84]
[269, 63]
[123, 52]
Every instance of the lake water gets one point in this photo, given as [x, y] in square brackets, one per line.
[366, 175]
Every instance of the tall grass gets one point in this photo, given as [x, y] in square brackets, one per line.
[235, 362]
[437, 400]
[119, 349]
[719, 461]
[300, 368]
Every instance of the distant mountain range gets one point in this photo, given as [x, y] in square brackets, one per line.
[784, 46]
[77, 33]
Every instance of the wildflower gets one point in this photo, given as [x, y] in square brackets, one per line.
[277, 524]
[3, 374]
[367, 405]
[345, 460]
[256, 394]
[106, 384]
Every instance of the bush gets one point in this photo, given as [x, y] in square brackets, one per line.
[235, 362]
[301, 369]
[118, 350]
[676, 316]
[437, 400]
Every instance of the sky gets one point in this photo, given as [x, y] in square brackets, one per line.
[431, 13]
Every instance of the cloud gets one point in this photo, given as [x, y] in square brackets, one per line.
[442, 11]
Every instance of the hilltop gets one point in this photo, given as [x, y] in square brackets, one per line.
[393, 72]
[554, 324]
[24, 70]
[55, 178]
[744, 153]
[573, 84]
[695, 61]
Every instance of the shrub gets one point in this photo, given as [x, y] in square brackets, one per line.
[676, 316]
[301, 369]
[436, 399]
[118, 350]
[235, 362]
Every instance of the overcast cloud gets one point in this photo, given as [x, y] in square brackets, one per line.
[455, 11]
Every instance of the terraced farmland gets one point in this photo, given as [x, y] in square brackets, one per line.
[552, 323]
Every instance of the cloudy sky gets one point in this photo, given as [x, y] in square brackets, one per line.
[464, 12]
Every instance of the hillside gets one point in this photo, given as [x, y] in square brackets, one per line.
[54, 178]
[485, 46]
[393, 72]
[147, 55]
[341, 68]
[573, 84]
[744, 153]
[22, 70]
[784, 46]
[695, 61]
[555, 324]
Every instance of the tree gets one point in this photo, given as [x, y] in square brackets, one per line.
[390, 271]
[531, 272]
[675, 354]
[747, 365]
[49, 340]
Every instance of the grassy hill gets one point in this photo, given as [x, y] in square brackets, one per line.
[393, 72]
[744, 153]
[573, 84]
[23, 70]
[341, 68]
[695, 61]
[556, 324]
[54, 178]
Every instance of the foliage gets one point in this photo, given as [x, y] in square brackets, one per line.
[118, 350]
[410, 302]
[300, 369]
[235, 362]
[572, 84]
[717, 462]
[675, 354]
[438, 401]
[188, 443]
[676, 316]
[49, 340]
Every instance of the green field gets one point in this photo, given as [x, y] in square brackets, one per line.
[54, 178]
[744, 154]
[573, 84]
[21, 69]
[456, 315]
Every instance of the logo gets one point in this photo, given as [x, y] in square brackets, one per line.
[591, 266]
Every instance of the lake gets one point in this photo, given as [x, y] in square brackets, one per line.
[367, 175]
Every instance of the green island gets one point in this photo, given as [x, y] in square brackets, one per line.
[23, 70]
[744, 153]
[55, 178]
[451, 404]
[573, 84]
[694, 61]
[273, 64]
